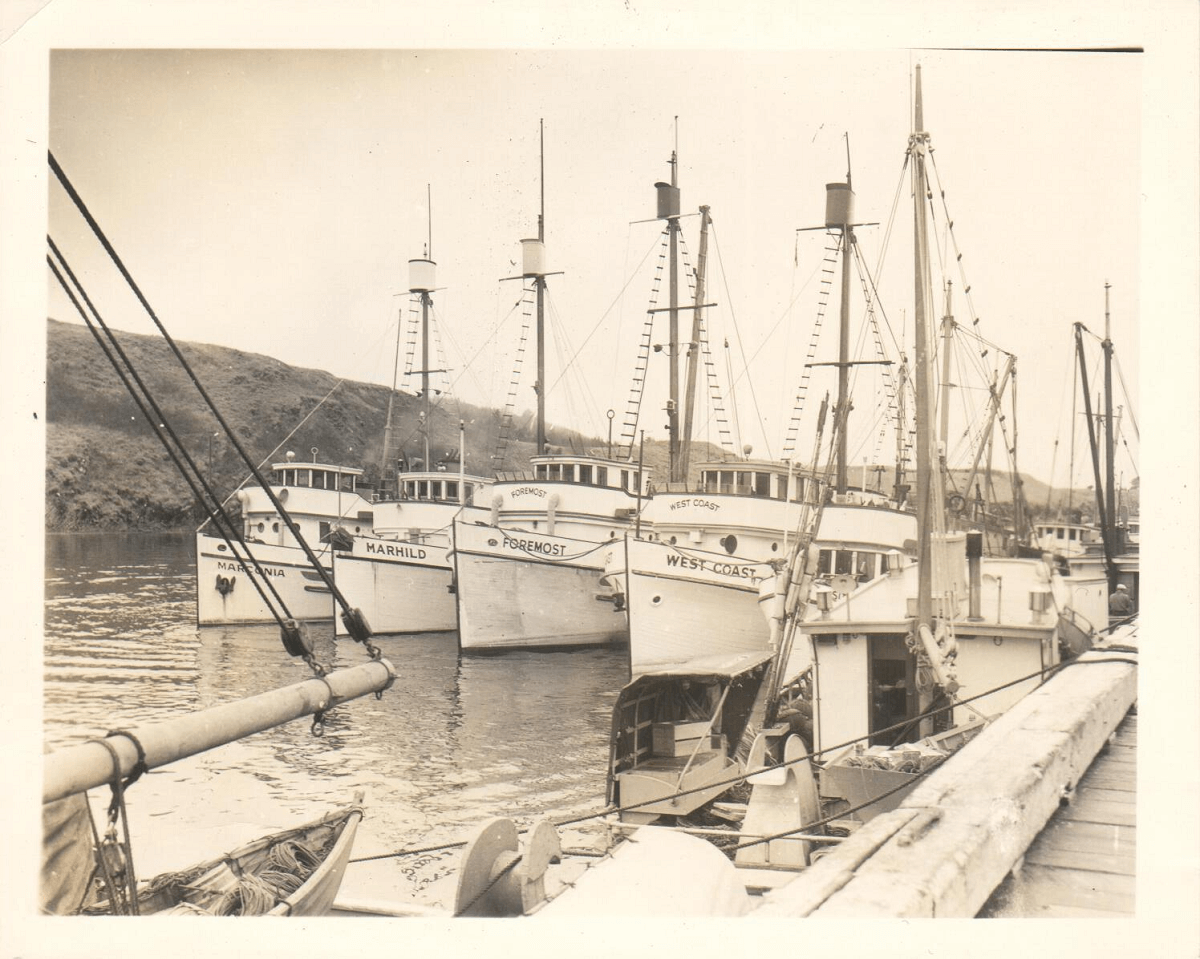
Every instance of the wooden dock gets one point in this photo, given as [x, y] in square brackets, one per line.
[998, 804]
[1082, 864]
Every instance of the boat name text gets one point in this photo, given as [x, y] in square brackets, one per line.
[232, 567]
[698, 504]
[527, 491]
[394, 549]
[721, 569]
[534, 546]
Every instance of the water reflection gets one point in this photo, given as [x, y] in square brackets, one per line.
[452, 744]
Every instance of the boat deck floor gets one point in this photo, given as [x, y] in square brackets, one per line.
[1082, 864]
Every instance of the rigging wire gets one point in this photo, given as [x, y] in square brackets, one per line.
[741, 347]
[283, 513]
[160, 424]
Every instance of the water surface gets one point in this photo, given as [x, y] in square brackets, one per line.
[455, 742]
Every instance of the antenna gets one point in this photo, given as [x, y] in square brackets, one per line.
[429, 216]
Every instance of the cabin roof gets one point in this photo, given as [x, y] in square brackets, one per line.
[446, 474]
[585, 458]
[328, 467]
[720, 666]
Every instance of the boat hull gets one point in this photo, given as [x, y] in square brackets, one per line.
[399, 587]
[225, 594]
[520, 590]
[684, 604]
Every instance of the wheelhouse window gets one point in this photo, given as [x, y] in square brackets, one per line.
[540, 471]
[625, 484]
[422, 489]
[601, 475]
[324, 531]
[762, 484]
[304, 477]
[843, 562]
[585, 474]
[348, 484]
[824, 561]
[781, 488]
[554, 471]
[452, 489]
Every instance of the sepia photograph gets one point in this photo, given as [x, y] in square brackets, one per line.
[619, 468]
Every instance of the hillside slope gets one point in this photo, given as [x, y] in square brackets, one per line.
[105, 468]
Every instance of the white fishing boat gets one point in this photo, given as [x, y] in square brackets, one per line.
[401, 576]
[691, 583]
[324, 501]
[894, 677]
[528, 575]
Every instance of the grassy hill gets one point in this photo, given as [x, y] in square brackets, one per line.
[105, 468]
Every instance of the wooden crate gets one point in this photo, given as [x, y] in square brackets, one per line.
[679, 739]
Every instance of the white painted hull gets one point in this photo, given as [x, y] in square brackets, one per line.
[299, 586]
[520, 590]
[400, 587]
[685, 604]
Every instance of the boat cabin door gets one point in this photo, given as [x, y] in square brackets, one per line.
[892, 681]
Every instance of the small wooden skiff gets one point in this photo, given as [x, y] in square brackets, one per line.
[296, 872]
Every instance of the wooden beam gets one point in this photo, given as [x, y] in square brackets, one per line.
[74, 769]
[975, 817]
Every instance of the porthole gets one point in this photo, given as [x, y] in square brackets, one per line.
[220, 547]
[275, 527]
[672, 541]
[774, 547]
[655, 600]
[262, 527]
[493, 542]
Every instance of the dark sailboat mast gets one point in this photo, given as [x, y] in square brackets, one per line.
[693, 353]
[539, 282]
[668, 209]
[422, 274]
[1110, 515]
[918, 146]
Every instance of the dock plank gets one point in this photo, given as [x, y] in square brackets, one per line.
[1052, 886]
[1087, 809]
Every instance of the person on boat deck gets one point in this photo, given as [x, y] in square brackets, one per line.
[1120, 603]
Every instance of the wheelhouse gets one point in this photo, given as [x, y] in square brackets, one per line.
[344, 479]
[591, 471]
[438, 488]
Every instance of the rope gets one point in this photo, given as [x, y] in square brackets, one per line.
[159, 423]
[120, 265]
[117, 805]
[490, 886]
[742, 777]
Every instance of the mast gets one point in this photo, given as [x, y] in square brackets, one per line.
[539, 283]
[668, 209]
[387, 470]
[944, 403]
[1110, 515]
[839, 204]
[918, 145]
[422, 273]
[693, 356]
[1105, 529]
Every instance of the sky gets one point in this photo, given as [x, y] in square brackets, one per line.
[270, 201]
